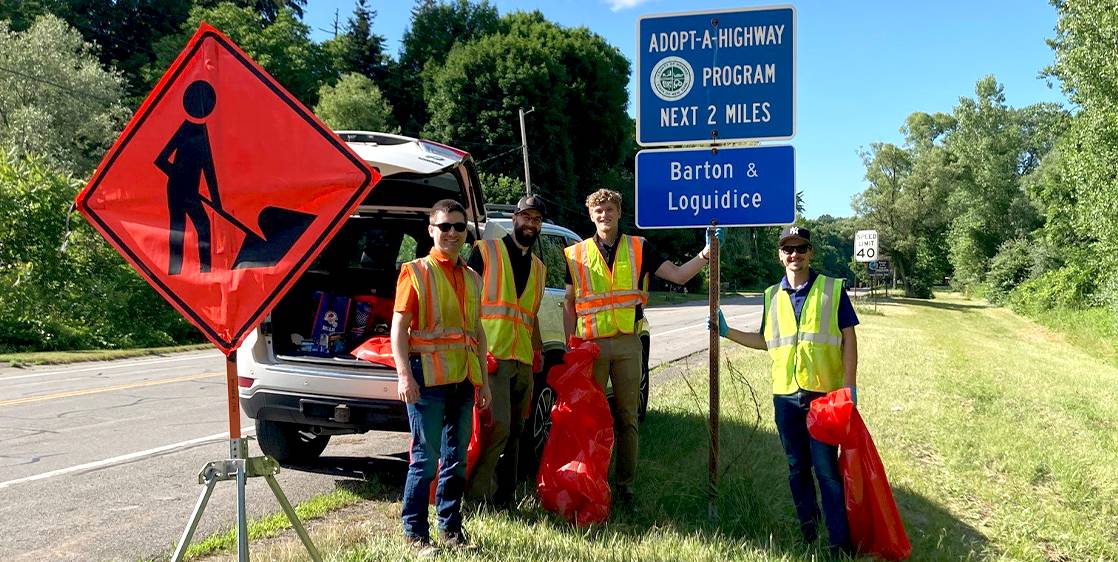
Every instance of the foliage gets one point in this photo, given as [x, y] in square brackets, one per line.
[1088, 68]
[355, 103]
[500, 188]
[435, 28]
[55, 99]
[1067, 288]
[283, 47]
[574, 79]
[85, 297]
[1008, 269]
[833, 242]
[358, 49]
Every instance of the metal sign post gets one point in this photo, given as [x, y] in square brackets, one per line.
[240, 467]
[710, 77]
[714, 284]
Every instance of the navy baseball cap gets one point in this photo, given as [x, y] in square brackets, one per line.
[793, 232]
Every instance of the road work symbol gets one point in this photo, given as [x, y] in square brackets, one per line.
[223, 189]
[187, 160]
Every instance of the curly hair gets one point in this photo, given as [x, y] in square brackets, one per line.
[603, 196]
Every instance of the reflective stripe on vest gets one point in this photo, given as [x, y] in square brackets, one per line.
[507, 320]
[606, 299]
[447, 345]
[806, 354]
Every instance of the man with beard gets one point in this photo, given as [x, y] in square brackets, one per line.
[512, 286]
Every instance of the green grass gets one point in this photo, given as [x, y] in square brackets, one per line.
[61, 357]
[998, 435]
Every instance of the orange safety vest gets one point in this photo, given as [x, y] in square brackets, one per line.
[444, 336]
[507, 320]
[606, 299]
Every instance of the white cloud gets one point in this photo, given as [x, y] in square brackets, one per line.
[618, 5]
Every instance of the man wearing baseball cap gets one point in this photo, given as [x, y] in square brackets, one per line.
[512, 287]
[808, 330]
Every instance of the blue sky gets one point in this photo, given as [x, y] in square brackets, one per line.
[862, 67]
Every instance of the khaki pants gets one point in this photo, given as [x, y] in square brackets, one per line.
[495, 476]
[620, 362]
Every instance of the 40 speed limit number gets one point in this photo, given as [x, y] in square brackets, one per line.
[865, 245]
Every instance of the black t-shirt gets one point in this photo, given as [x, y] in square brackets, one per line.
[653, 259]
[521, 264]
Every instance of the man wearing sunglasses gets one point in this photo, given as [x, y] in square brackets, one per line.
[512, 288]
[439, 347]
[808, 330]
[606, 282]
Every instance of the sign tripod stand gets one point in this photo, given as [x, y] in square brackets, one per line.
[240, 467]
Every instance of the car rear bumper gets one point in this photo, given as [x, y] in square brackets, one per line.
[331, 414]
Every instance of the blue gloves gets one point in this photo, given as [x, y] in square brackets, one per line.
[853, 394]
[723, 328]
[717, 234]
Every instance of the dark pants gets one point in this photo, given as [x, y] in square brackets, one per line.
[495, 474]
[804, 454]
[441, 423]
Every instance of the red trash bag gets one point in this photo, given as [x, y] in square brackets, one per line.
[377, 349]
[575, 463]
[876, 527]
[479, 438]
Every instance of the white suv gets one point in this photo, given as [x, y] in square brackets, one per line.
[299, 398]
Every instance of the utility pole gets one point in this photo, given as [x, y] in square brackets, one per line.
[524, 149]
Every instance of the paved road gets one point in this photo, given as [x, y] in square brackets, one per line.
[99, 460]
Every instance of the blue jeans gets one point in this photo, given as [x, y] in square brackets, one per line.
[441, 421]
[805, 453]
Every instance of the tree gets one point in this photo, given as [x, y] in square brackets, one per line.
[283, 47]
[435, 28]
[1087, 67]
[55, 98]
[360, 50]
[574, 79]
[85, 297]
[355, 103]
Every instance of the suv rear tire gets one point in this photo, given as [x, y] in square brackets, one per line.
[288, 442]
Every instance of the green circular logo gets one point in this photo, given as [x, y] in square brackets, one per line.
[672, 78]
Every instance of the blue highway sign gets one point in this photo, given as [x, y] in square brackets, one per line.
[717, 76]
[748, 186]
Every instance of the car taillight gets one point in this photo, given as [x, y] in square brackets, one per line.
[244, 382]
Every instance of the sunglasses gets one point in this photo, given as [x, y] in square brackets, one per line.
[801, 249]
[446, 226]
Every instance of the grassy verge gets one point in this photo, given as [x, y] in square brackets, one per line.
[997, 434]
[60, 357]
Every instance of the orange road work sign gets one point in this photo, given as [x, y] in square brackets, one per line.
[223, 188]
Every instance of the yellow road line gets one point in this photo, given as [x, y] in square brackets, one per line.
[73, 393]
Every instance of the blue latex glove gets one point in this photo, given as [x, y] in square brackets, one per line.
[853, 394]
[723, 328]
[717, 234]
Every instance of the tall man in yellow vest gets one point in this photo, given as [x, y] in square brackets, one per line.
[439, 347]
[808, 329]
[512, 287]
[604, 303]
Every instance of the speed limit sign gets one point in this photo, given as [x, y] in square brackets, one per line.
[865, 245]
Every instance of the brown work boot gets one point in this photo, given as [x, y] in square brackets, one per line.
[456, 540]
[422, 546]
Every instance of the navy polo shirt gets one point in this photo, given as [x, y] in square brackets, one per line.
[846, 315]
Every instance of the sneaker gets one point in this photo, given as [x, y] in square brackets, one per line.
[456, 540]
[422, 546]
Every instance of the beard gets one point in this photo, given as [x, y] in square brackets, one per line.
[525, 236]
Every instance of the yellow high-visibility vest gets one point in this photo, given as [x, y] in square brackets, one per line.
[444, 336]
[806, 354]
[606, 299]
[507, 320]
